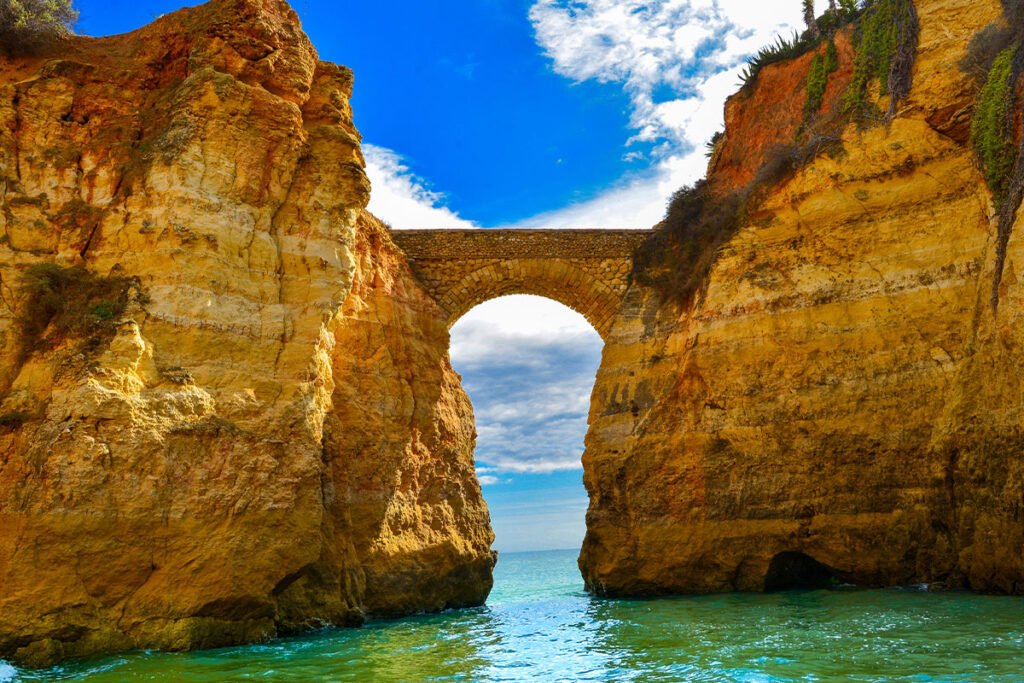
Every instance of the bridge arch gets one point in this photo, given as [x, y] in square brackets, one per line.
[586, 270]
[564, 282]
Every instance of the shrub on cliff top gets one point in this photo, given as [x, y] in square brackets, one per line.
[784, 49]
[60, 302]
[810, 19]
[837, 17]
[27, 24]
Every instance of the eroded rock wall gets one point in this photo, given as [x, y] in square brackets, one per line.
[843, 389]
[213, 466]
[400, 443]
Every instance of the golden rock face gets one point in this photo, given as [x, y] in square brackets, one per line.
[844, 390]
[271, 436]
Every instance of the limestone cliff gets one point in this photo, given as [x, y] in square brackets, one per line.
[400, 441]
[842, 389]
[226, 409]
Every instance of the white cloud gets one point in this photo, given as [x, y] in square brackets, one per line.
[650, 45]
[402, 199]
[537, 465]
[521, 323]
[487, 477]
[636, 203]
[692, 48]
[528, 365]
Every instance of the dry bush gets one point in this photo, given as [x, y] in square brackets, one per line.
[678, 258]
[983, 49]
[997, 37]
[58, 303]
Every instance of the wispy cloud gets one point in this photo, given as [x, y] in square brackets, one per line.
[402, 199]
[678, 60]
[487, 477]
[642, 45]
[664, 53]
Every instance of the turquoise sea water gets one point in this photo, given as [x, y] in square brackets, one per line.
[539, 625]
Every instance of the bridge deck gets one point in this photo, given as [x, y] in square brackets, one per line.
[518, 243]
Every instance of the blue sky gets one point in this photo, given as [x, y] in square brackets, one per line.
[513, 113]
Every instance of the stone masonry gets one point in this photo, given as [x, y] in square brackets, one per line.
[587, 270]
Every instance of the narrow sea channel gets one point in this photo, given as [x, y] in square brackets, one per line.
[539, 625]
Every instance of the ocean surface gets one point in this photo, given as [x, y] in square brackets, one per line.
[539, 625]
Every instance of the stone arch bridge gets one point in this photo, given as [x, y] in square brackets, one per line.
[587, 270]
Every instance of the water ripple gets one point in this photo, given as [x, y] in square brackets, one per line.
[539, 626]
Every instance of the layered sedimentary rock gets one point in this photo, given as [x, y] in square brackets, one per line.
[238, 417]
[843, 391]
[260, 431]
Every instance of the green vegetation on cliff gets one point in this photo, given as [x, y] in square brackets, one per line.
[25, 24]
[992, 125]
[996, 59]
[822, 66]
[886, 43]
